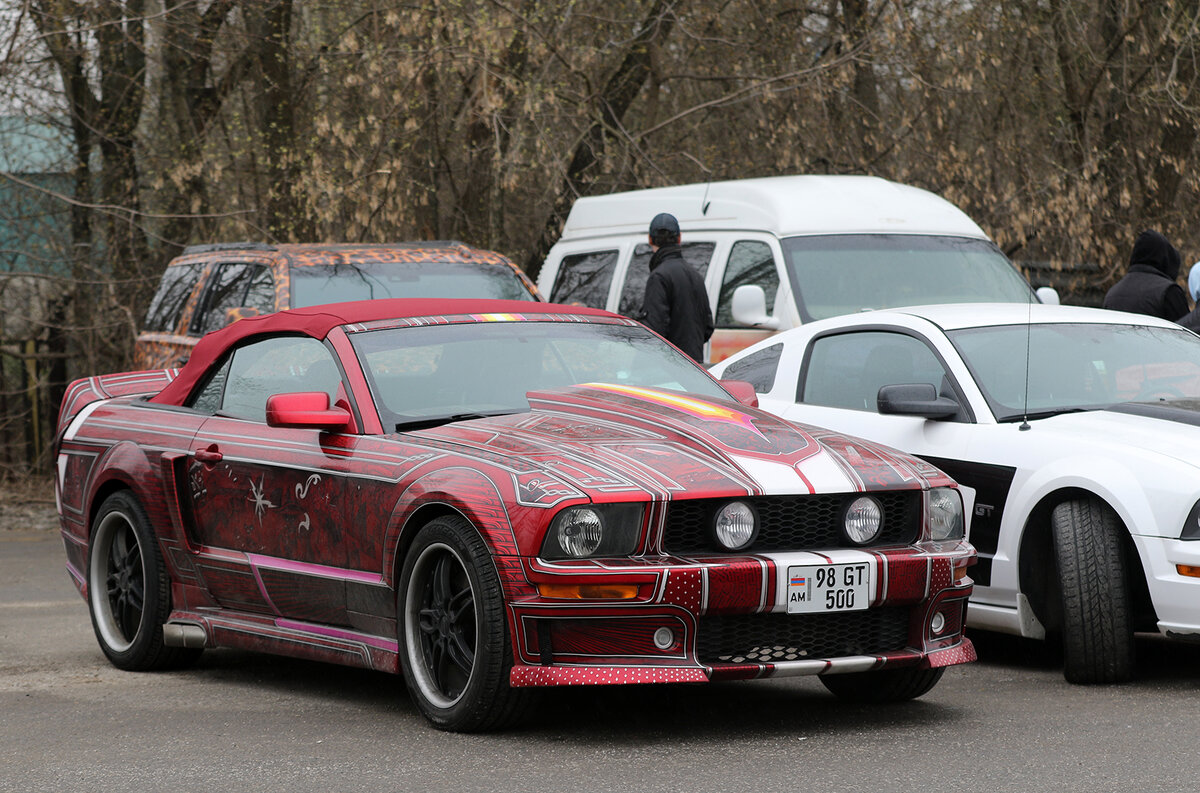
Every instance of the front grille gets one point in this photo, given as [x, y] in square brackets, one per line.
[792, 523]
[772, 638]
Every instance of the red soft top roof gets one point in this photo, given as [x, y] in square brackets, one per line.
[317, 321]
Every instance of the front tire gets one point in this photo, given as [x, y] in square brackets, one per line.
[1093, 570]
[454, 641]
[888, 685]
[129, 591]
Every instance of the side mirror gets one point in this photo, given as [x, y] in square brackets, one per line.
[1048, 295]
[742, 391]
[305, 410]
[915, 399]
[749, 307]
[232, 315]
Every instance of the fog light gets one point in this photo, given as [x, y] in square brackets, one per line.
[938, 623]
[664, 638]
[735, 526]
[862, 520]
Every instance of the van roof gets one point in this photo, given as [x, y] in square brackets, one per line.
[784, 205]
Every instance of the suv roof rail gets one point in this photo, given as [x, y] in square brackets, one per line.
[228, 246]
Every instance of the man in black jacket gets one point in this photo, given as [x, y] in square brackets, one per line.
[1149, 287]
[676, 303]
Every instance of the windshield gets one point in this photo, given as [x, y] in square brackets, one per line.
[486, 368]
[842, 274]
[1079, 366]
[314, 285]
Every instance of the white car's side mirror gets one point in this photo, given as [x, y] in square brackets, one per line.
[1048, 295]
[749, 307]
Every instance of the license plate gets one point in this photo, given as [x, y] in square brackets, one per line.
[829, 587]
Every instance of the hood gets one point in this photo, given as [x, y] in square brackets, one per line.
[1153, 250]
[608, 441]
[1133, 432]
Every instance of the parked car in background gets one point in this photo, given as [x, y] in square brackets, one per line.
[491, 496]
[1074, 433]
[210, 286]
[779, 251]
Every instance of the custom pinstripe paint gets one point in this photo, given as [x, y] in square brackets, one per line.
[291, 539]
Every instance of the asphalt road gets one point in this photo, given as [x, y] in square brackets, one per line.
[244, 722]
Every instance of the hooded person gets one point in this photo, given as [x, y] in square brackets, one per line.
[675, 305]
[1149, 286]
[1191, 320]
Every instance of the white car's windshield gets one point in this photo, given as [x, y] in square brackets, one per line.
[1078, 366]
[420, 375]
[314, 285]
[845, 273]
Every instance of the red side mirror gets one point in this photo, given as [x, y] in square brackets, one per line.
[309, 409]
[742, 391]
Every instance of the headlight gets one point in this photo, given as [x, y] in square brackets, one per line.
[593, 530]
[862, 520]
[735, 525]
[945, 514]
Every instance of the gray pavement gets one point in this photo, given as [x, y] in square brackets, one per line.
[245, 722]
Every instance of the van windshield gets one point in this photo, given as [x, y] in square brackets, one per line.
[846, 273]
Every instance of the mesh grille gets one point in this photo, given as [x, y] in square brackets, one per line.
[772, 638]
[792, 523]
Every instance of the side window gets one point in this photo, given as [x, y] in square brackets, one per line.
[750, 262]
[583, 279]
[176, 286]
[758, 369]
[847, 370]
[697, 254]
[255, 371]
[233, 286]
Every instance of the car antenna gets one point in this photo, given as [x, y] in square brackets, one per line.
[1028, 344]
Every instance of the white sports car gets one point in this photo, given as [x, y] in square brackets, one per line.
[1075, 433]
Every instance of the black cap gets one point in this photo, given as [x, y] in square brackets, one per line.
[664, 223]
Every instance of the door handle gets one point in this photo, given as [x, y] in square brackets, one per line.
[209, 456]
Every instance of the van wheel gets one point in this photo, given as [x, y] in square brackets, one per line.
[1094, 578]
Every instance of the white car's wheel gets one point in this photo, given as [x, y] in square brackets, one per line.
[1097, 612]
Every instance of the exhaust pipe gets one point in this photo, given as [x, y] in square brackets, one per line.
[184, 634]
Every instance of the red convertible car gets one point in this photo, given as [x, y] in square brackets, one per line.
[494, 496]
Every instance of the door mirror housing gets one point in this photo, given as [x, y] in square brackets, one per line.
[306, 410]
[742, 391]
[915, 399]
[749, 307]
[1048, 295]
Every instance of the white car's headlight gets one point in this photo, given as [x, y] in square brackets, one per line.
[945, 514]
[593, 530]
[862, 520]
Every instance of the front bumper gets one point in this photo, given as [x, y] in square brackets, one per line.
[725, 618]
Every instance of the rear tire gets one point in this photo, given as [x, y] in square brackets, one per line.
[454, 641]
[129, 591]
[888, 685]
[1096, 604]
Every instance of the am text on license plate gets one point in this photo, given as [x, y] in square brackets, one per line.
[829, 587]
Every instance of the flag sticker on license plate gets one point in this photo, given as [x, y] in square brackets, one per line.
[828, 587]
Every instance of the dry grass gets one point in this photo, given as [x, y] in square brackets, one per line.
[27, 504]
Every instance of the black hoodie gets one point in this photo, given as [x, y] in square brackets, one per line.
[1149, 287]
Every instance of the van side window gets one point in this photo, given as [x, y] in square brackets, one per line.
[583, 279]
[166, 308]
[234, 286]
[750, 262]
[758, 369]
[697, 254]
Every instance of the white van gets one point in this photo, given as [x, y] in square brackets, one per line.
[779, 251]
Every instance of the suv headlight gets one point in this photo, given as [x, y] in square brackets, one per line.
[590, 530]
[945, 514]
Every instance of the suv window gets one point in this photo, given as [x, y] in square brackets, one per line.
[697, 254]
[847, 370]
[280, 365]
[750, 262]
[315, 284]
[584, 278]
[176, 286]
[234, 286]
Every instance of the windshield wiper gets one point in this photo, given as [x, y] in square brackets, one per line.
[437, 421]
[1045, 414]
